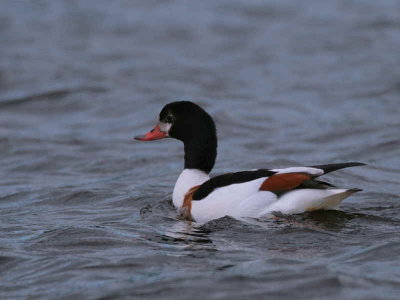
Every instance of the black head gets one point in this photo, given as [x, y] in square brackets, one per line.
[189, 123]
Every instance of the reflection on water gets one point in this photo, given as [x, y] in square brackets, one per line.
[85, 212]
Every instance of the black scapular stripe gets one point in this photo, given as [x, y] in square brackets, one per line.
[227, 179]
[333, 167]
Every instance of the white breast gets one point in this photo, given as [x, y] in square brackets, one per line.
[188, 179]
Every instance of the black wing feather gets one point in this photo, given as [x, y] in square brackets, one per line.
[227, 179]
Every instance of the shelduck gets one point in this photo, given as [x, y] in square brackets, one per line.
[254, 193]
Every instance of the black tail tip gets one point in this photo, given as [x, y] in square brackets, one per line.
[355, 164]
[355, 190]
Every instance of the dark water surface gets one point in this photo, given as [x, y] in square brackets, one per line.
[85, 212]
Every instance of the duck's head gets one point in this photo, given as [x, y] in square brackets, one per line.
[184, 121]
[189, 123]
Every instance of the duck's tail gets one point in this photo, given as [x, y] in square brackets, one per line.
[303, 200]
[333, 167]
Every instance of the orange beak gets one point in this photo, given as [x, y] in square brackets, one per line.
[154, 134]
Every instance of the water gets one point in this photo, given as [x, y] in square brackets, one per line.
[86, 213]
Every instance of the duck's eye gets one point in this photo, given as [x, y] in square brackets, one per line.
[169, 119]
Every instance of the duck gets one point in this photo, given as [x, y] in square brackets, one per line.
[245, 194]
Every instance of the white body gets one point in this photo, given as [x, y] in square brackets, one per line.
[246, 199]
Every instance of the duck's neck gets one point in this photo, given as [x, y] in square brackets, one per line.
[199, 160]
[201, 155]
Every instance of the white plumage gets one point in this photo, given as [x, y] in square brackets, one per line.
[246, 200]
